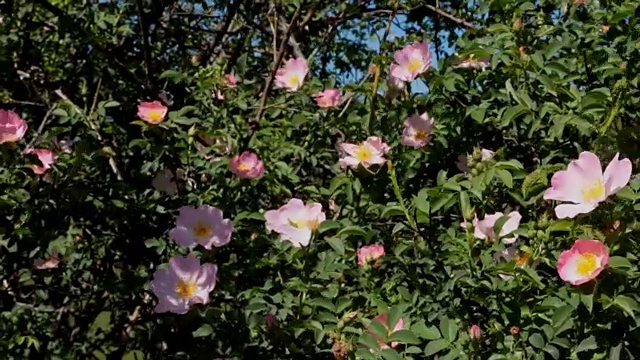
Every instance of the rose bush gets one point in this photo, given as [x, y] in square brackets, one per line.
[173, 189]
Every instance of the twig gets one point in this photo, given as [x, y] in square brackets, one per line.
[40, 128]
[222, 30]
[92, 126]
[276, 65]
[282, 24]
[145, 43]
[450, 17]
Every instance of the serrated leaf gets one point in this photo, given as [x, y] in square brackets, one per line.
[337, 244]
[427, 333]
[587, 344]
[435, 346]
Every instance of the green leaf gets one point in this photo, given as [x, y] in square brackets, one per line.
[435, 346]
[424, 332]
[449, 329]
[394, 314]
[328, 225]
[404, 337]
[441, 202]
[337, 244]
[536, 340]
[390, 354]
[587, 344]
[553, 351]
[378, 329]
[204, 330]
[619, 263]
[110, 104]
[134, 355]
[561, 315]
[511, 114]
[352, 231]
[464, 202]
[627, 304]
[561, 225]
[506, 178]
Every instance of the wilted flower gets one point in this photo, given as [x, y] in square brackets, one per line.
[295, 221]
[584, 184]
[50, 262]
[394, 84]
[583, 262]
[65, 146]
[417, 130]
[291, 75]
[463, 160]
[483, 229]
[412, 61]
[165, 181]
[472, 62]
[367, 153]
[512, 253]
[271, 321]
[475, 333]
[382, 318]
[370, 253]
[46, 158]
[247, 166]
[328, 98]
[152, 112]
[204, 225]
[183, 284]
[12, 126]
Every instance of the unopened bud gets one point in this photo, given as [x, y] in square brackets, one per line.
[475, 333]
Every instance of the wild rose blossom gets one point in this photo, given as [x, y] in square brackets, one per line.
[412, 61]
[204, 225]
[184, 283]
[295, 221]
[367, 153]
[230, 80]
[417, 130]
[46, 158]
[370, 253]
[327, 98]
[475, 332]
[291, 75]
[247, 166]
[585, 186]
[382, 318]
[583, 262]
[152, 112]
[12, 127]
[483, 229]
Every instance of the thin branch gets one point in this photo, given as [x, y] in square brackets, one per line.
[282, 24]
[222, 30]
[145, 43]
[276, 65]
[450, 17]
[41, 127]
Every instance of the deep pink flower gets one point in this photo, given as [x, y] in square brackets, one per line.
[475, 332]
[584, 184]
[184, 283]
[295, 221]
[328, 98]
[370, 253]
[291, 75]
[382, 318]
[417, 130]
[583, 262]
[230, 80]
[152, 112]
[412, 61]
[204, 225]
[46, 158]
[367, 153]
[12, 126]
[483, 229]
[247, 166]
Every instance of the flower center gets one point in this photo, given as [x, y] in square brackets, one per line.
[186, 289]
[301, 223]
[202, 230]
[587, 263]
[294, 80]
[421, 135]
[244, 167]
[155, 115]
[522, 258]
[593, 193]
[414, 65]
[363, 153]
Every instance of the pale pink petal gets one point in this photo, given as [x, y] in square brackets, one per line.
[572, 210]
[617, 175]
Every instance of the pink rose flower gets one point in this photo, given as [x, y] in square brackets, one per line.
[184, 283]
[204, 225]
[328, 98]
[416, 131]
[230, 80]
[152, 112]
[295, 221]
[483, 229]
[291, 75]
[475, 333]
[247, 166]
[382, 318]
[12, 126]
[583, 262]
[370, 253]
[46, 158]
[367, 153]
[584, 184]
[412, 61]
